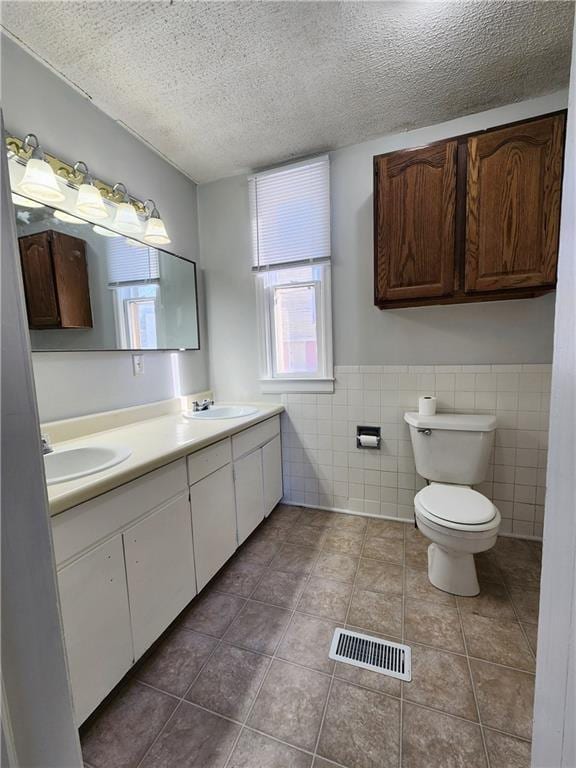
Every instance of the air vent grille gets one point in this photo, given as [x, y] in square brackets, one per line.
[371, 653]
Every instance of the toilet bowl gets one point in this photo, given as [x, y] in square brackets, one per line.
[459, 522]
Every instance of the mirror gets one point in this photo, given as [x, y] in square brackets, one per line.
[90, 288]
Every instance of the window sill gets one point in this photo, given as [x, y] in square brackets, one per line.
[294, 386]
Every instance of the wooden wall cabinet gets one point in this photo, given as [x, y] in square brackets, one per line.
[473, 218]
[55, 277]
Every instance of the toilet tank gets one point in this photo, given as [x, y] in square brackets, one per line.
[452, 447]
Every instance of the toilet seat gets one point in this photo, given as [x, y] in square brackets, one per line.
[457, 507]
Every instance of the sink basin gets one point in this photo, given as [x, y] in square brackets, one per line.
[70, 464]
[223, 412]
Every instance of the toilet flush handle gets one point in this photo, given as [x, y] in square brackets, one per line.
[426, 431]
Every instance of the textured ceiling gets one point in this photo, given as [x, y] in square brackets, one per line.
[224, 87]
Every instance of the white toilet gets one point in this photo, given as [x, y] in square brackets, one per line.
[452, 451]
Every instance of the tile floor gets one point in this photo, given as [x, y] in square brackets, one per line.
[243, 678]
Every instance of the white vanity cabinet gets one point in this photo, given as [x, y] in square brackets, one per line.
[125, 571]
[159, 570]
[96, 619]
[213, 509]
[257, 474]
[130, 560]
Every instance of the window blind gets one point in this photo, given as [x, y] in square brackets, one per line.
[131, 264]
[290, 213]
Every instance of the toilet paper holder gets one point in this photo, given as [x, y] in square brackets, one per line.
[371, 432]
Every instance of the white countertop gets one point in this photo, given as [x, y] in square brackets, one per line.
[154, 442]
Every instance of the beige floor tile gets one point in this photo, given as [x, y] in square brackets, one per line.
[347, 542]
[258, 627]
[435, 740]
[526, 602]
[493, 602]
[307, 641]
[280, 588]
[505, 698]
[176, 661]
[212, 612]
[386, 529]
[335, 565]
[376, 611]
[505, 751]
[378, 576]
[238, 578]
[353, 523]
[256, 751]
[498, 640]
[290, 704]
[304, 535]
[319, 517]
[532, 634]
[380, 548]
[229, 681]
[193, 738]
[441, 680]
[327, 598]
[294, 559]
[433, 624]
[126, 727]
[361, 728]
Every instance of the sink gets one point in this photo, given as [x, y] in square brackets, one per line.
[222, 412]
[72, 463]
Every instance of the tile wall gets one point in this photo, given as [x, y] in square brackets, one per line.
[323, 467]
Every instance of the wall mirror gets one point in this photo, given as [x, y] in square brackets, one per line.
[89, 288]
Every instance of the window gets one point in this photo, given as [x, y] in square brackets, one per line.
[290, 210]
[134, 278]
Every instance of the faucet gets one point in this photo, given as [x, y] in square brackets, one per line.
[45, 444]
[203, 405]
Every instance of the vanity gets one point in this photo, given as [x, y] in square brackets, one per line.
[135, 544]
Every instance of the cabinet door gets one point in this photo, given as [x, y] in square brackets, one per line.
[71, 276]
[213, 523]
[513, 205]
[272, 474]
[96, 619]
[414, 222]
[249, 488]
[160, 570]
[38, 278]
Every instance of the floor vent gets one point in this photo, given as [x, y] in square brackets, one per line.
[370, 653]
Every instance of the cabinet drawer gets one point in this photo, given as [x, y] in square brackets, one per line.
[252, 438]
[83, 526]
[208, 460]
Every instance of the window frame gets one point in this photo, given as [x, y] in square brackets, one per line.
[270, 381]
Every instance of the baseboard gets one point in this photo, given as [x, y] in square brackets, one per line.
[389, 517]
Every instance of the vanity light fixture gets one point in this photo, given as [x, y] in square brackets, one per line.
[104, 232]
[126, 218]
[25, 202]
[89, 201]
[67, 217]
[155, 233]
[39, 180]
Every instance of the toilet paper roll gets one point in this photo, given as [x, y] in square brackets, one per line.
[427, 406]
[368, 441]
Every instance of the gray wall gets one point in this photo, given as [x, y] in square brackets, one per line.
[493, 332]
[36, 100]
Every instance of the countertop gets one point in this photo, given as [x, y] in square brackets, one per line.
[154, 442]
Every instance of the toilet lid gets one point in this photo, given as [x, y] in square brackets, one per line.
[456, 504]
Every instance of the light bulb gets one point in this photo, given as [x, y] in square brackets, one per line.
[89, 202]
[126, 218]
[24, 202]
[63, 216]
[104, 232]
[40, 182]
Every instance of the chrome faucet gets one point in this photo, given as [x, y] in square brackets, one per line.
[203, 405]
[45, 444]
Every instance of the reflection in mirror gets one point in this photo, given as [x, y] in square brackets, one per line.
[89, 288]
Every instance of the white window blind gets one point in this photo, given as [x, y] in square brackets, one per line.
[290, 212]
[132, 264]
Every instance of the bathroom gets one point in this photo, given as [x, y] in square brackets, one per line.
[288, 381]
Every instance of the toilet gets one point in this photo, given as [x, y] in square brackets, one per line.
[452, 452]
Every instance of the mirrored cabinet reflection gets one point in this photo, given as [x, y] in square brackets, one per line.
[90, 288]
